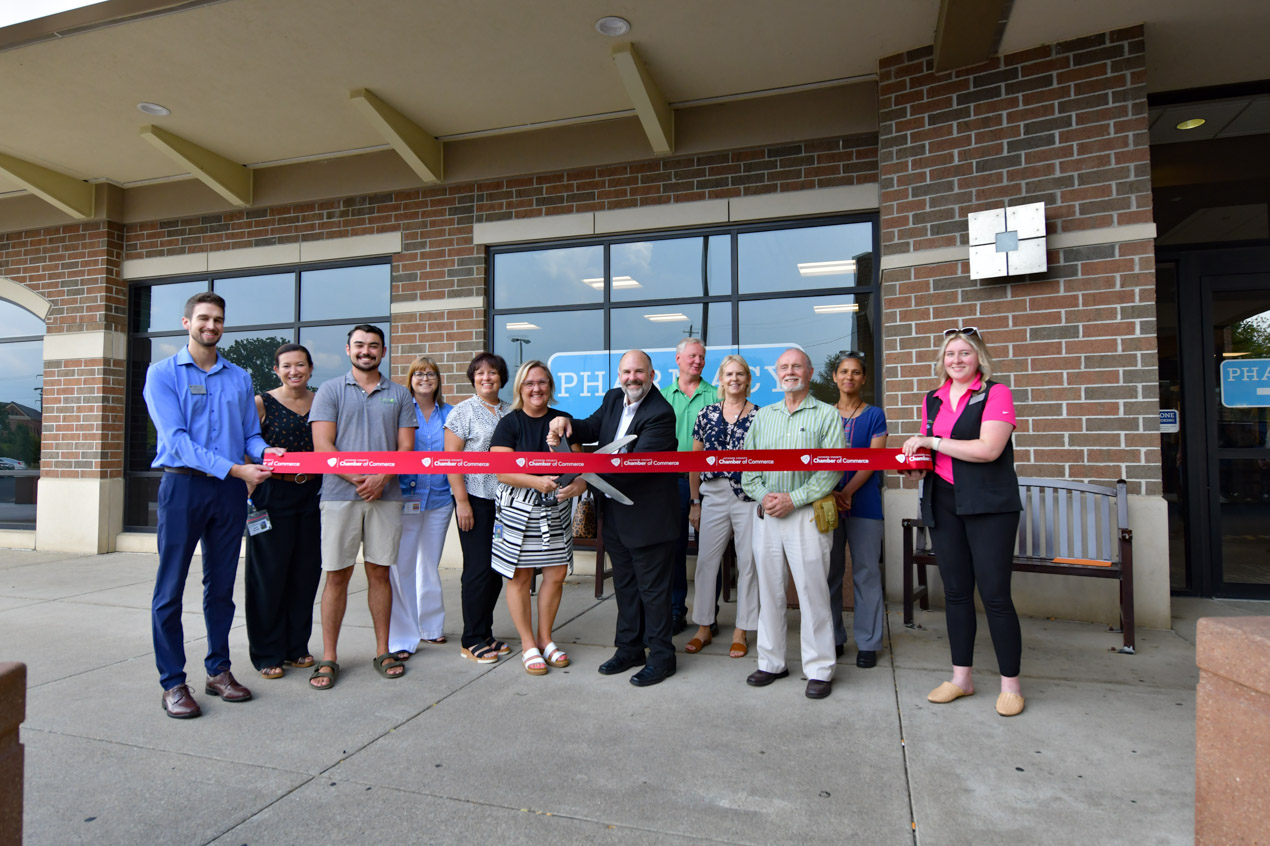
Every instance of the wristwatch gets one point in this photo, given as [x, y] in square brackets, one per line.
[694, 502]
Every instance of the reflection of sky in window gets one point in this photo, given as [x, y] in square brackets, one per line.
[17, 322]
[769, 261]
[548, 277]
[548, 333]
[631, 328]
[163, 306]
[253, 352]
[21, 372]
[344, 292]
[719, 265]
[258, 299]
[326, 344]
[663, 269]
[794, 322]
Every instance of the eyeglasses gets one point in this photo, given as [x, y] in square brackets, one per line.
[965, 330]
[537, 383]
[426, 374]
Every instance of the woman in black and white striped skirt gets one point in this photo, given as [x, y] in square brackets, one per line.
[534, 527]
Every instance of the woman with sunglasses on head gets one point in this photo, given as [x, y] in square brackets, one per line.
[468, 429]
[535, 520]
[971, 504]
[418, 610]
[859, 501]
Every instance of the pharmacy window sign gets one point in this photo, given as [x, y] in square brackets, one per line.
[1245, 383]
[1007, 241]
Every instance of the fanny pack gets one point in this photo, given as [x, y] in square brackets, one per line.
[826, 511]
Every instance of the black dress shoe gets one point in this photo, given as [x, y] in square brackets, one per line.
[677, 624]
[620, 663]
[762, 678]
[817, 689]
[866, 658]
[714, 628]
[652, 675]
[839, 649]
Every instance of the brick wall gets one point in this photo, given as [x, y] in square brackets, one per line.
[1064, 124]
[440, 261]
[76, 268]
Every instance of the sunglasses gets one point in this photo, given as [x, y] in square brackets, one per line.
[965, 330]
[851, 354]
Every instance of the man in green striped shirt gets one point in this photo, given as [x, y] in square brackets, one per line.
[785, 529]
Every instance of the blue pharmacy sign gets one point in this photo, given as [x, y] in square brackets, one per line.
[1245, 383]
[582, 378]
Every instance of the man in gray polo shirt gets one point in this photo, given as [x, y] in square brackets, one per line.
[362, 412]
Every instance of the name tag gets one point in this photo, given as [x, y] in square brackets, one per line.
[198, 389]
[410, 506]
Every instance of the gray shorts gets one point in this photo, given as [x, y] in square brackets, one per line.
[348, 524]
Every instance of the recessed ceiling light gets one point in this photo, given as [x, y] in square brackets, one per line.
[522, 326]
[835, 308]
[154, 109]
[612, 26]
[618, 282]
[1193, 123]
[667, 317]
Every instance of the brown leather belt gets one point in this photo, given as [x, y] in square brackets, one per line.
[297, 478]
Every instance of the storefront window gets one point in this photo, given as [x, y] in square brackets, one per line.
[260, 316]
[755, 290]
[21, 413]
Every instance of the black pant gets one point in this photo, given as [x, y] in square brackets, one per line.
[976, 550]
[284, 567]
[480, 583]
[641, 584]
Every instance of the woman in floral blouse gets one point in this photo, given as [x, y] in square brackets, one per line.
[720, 511]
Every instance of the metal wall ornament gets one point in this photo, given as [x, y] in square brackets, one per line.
[1007, 241]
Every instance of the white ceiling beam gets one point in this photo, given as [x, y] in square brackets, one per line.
[71, 195]
[419, 148]
[653, 109]
[228, 178]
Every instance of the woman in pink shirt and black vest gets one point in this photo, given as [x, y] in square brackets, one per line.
[971, 504]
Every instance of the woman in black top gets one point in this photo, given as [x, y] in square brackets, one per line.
[534, 529]
[284, 564]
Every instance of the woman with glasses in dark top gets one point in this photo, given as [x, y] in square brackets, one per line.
[859, 501]
[971, 504]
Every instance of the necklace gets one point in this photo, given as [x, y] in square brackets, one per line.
[492, 408]
[848, 421]
[739, 411]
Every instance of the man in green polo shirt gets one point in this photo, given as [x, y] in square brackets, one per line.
[688, 394]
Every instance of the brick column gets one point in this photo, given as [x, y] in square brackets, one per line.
[12, 714]
[1232, 722]
[1064, 124]
[76, 267]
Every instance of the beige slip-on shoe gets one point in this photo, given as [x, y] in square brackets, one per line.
[946, 693]
[1009, 704]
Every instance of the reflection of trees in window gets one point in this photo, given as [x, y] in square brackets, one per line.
[17, 441]
[1252, 336]
[255, 355]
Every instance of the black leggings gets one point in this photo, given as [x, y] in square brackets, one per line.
[480, 583]
[976, 550]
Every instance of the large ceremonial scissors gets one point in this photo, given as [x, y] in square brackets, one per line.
[592, 479]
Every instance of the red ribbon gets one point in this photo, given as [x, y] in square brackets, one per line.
[774, 460]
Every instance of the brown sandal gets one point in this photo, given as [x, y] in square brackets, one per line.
[697, 644]
[271, 672]
[739, 649]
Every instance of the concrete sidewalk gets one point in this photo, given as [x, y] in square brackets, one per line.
[461, 753]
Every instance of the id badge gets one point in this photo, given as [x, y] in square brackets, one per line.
[498, 532]
[258, 522]
[411, 506]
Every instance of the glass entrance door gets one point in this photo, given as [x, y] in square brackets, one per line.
[1237, 309]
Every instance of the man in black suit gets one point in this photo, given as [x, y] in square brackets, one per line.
[639, 538]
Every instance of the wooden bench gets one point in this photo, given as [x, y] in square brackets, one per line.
[1065, 528]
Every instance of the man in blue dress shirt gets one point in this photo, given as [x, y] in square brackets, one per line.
[204, 414]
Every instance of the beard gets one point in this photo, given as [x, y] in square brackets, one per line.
[365, 367]
[793, 387]
[635, 394]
